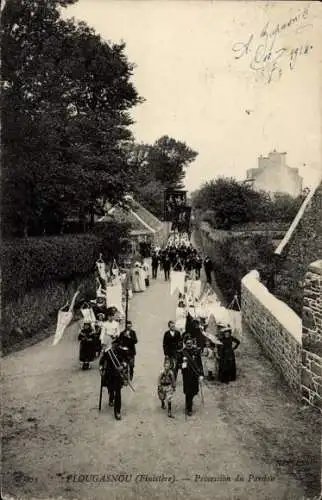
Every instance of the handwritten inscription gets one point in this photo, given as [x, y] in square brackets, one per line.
[265, 53]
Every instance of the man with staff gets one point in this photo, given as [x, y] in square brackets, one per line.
[192, 372]
[114, 375]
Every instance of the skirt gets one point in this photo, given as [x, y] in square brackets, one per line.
[165, 393]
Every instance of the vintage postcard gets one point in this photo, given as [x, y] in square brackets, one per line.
[161, 255]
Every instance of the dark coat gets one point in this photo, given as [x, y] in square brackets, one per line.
[110, 362]
[227, 363]
[208, 265]
[197, 264]
[87, 346]
[166, 264]
[178, 266]
[171, 344]
[155, 262]
[100, 310]
[128, 342]
[191, 372]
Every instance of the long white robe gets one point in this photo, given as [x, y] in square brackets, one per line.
[138, 279]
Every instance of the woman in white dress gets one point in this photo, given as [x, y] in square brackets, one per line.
[138, 278]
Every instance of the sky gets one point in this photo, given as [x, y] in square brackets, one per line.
[204, 84]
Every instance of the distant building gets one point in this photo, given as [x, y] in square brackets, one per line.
[274, 176]
[144, 226]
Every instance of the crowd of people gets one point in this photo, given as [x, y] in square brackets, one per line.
[178, 255]
[187, 347]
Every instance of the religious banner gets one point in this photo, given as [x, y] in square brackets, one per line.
[212, 337]
[174, 201]
[114, 297]
[177, 281]
[194, 289]
[64, 318]
[236, 323]
[101, 268]
[115, 269]
[100, 288]
[181, 220]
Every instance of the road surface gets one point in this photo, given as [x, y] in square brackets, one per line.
[250, 440]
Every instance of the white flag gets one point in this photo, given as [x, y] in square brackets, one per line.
[88, 315]
[101, 267]
[196, 288]
[236, 323]
[177, 281]
[114, 297]
[63, 320]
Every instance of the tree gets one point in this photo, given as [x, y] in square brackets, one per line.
[285, 207]
[154, 168]
[168, 159]
[226, 202]
[66, 96]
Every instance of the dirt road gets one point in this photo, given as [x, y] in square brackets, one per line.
[250, 440]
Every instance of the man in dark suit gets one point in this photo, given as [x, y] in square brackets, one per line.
[128, 338]
[155, 265]
[192, 373]
[166, 267]
[208, 265]
[171, 346]
[114, 367]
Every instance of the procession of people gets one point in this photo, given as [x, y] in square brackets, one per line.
[201, 357]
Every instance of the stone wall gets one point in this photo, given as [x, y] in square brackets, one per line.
[276, 327]
[312, 336]
[303, 248]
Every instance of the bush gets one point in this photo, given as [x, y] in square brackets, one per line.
[34, 262]
[112, 234]
[235, 256]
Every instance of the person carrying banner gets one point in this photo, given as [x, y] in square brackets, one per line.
[87, 346]
[192, 373]
[114, 372]
[171, 346]
[128, 338]
[166, 386]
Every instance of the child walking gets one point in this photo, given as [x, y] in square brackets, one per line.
[166, 386]
[209, 360]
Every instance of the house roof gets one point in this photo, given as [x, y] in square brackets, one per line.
[139, 218]
[291, 230]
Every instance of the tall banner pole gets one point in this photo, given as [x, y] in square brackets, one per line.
[126, 304]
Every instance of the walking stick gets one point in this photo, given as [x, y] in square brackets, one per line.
[201, 394]
[126, 303]
[101, 393]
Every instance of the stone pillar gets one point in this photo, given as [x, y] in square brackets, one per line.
[312, 336]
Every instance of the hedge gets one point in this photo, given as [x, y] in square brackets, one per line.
[234, 256]
[33, 262]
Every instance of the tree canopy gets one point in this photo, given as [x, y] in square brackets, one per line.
[157, 167]
[225, 202]
[66, 101]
